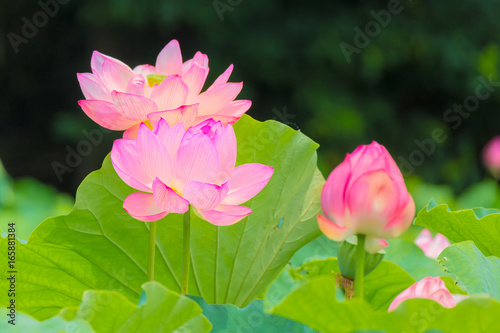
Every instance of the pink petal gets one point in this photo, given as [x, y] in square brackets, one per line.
[225, 214]
[373, 245]
[194, 78]
[115, 75]
[372, 201]
[128, 166]
[142, 207]
[105, 114]
[226, 148]
[201, 59]
[170, 93]
[92, 87]
[402, 219]
[223, 119]
[167, 199]
[333, 194]
[235, 109]
[98, 60]
[222, 78]
[211, 101]
[145, 70]
[169, 60]
[136, 85]
[131, 133]
[154, 156]
[432, 246]
[246, 181]
[170, 137]
[197, 159]
[185, 114]
[133, 107]
[205, 196]
[332, 230]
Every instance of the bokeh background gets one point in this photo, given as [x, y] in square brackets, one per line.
[395, 90]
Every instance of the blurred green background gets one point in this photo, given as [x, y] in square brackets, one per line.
[395, 90]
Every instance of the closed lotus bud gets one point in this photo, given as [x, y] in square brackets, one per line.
[366, 194]
[429, 287]
[491, 156]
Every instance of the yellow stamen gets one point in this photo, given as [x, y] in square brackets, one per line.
[155, 79]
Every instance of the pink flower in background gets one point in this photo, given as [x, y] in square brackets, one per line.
[366, 194]
[119, 98]
[491, 156]
[429, 287]
[174, 167]
[432, 246]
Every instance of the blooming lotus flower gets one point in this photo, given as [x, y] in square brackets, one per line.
[119, 98]
[366, 194]
[174, 167]
[432, 246]
[429, 287]
[491, 156]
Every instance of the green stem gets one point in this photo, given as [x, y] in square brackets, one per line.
[151, 251]
[186, 253]
[360, 268]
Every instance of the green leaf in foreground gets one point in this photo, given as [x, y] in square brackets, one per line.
[164, 311]
[227, 318]
[27, 324]
[464, 225]
[381, 286]
[473, 271]
[99, 246]
[313, 303]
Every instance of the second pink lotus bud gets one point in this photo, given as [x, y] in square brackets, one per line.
[366, 194]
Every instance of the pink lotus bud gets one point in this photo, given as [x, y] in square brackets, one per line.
[491, 156]
[175, 168]
[366, 194]
[119, 98]
[432, 246]
[429, 287]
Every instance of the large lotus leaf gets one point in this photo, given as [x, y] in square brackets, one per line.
[163, 311]
[473, 271]
[314, 303]
[480, 226]
[99, 246]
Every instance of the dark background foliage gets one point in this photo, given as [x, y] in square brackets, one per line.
[396, 90]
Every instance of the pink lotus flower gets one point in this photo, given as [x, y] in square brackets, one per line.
[491, 156]
[429, 287]
[119, 98]
[174, 167]
[432, 246]
[366, 194]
